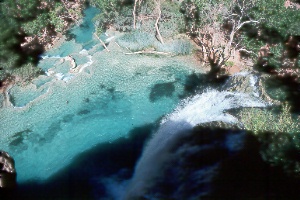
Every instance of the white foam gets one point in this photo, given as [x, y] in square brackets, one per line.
[253, 81]
[207, 107]
[47, 57]
[84, 52]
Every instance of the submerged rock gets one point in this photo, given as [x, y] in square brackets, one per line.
[8, 173]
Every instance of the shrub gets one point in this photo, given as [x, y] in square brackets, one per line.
[26, 73]
[279, 134]
[229, 63]
[261, 120]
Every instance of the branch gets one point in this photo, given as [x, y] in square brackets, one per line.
[149, 52]
[103, 44]
[134, 13]
[247, 51]
[157, 20]
[245, 22]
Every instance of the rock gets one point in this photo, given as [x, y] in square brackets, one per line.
[8, 173]
[198, 165]
[220, 124]
[242, 82]
[213, 163]
[249, 83]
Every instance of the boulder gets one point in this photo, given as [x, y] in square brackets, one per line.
[8, 173]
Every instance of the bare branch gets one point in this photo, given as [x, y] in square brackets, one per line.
[134, 14]
[103, 44]
[245, 22]
[149, 52]
[157, 20]
[247, 51]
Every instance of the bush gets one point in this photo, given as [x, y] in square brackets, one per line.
[229, 63]
[279, 134]
[262, 120]
[113, 12]
[26, 73]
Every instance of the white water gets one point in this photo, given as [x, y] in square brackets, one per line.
[207, 107]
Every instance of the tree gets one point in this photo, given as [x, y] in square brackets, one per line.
[205, 24]
[28, 25]
[278, 30]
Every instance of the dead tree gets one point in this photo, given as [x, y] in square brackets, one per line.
[217, 45]
[137, 3]
[156, 16]
[157, 20]
[213, 51]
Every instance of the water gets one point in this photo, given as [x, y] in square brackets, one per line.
[87, 130]
[206, 107]
[66, 114]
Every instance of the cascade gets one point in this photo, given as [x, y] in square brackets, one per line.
[206, 107]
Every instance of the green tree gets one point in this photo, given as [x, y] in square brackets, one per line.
[274, 15]
[29, 18]
[110, 10]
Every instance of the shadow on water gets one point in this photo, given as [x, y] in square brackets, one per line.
[79, 179]
[161, 90]
[200, 82]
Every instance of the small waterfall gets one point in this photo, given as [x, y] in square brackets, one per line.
[206, 107]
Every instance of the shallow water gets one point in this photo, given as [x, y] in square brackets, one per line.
[82, 135]
[66, 114]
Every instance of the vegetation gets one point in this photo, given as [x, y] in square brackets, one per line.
[27, 26]
[266, 31]
[276, 34]
[279, 134]
[113, 12]
[262, 120]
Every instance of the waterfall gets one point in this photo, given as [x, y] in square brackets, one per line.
[206, 107]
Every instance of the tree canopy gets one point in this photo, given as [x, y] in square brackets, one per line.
[34, 20]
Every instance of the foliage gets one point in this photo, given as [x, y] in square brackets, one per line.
[277, 23]
[119, 14]
[273, 15]
[27, 72]
[20, 10]
[259, 120]
[276, 55]
[172, 21]
[54, 17]
[229, 63]
[112, 11]
[279, 133]
[199, 13]
[27, 18]
[35, 26]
